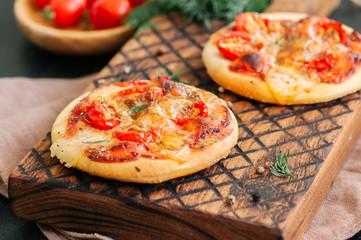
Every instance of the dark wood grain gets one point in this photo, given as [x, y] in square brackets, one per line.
[318, 136]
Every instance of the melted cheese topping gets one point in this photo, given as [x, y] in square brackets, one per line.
[157, 119]
[286, 82]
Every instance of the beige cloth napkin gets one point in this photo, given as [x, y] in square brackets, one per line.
[28, 108]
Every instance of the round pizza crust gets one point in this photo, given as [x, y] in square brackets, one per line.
[255, 88]
[142, 170]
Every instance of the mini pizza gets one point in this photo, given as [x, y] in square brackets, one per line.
[144, 131]
[285, 58]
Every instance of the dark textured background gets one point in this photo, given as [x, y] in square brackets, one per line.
[18, 57]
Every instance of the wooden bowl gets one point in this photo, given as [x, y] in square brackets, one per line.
[69, 41]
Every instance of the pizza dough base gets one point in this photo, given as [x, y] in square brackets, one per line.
[255, 88]
[142, 170]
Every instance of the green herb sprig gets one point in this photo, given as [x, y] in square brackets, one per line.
[280, 167]
[280, 41]
[142, 27]
[139, 108]
[97, 141]
[203, 11]
[175, 75]
[117, 80]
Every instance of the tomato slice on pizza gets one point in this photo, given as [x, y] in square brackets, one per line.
[234, 45]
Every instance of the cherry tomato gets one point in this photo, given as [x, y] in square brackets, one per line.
[76, 114]
[42, 3]
[150, 93]
[100, 116]
[334, 65]
[141, 137]
[90, 3]
[328, 24]
[250, 22]
[129, 91]
[131, 83]
[123, 152]
[109, 13]
[234, 45]
[241, 21]
[165, 77]
[67, 12]
[136, 3]
[203, 109]
[198, 109]
[325, 63]
[323, 27]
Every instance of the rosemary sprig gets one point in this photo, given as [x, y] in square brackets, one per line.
[280, 168]
[175, 75]
[139, 108]
[142, 27]
[94, 142]
[202, 11]
[117, 80]
[280, 41]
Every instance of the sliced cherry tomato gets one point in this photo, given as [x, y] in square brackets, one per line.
[124, 152]
[128, 91]
[100, 116]
[150, 92]
[198, 109]
[204, 129]
[241, 21]
[109, 13]
[140, 137]
[90, 3]
[334, 66]
[42, 3]
[76, 114]
[234, 45]
[250, 22]
[134, 87]
[131, 83]
[325, 63]
[165, 78]
[324, 26]
[65, 13]
[137, 3]
[203, 109]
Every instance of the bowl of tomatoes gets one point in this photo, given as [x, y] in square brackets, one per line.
[75, 27]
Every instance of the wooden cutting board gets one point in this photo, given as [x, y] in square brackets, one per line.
[319, 138]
